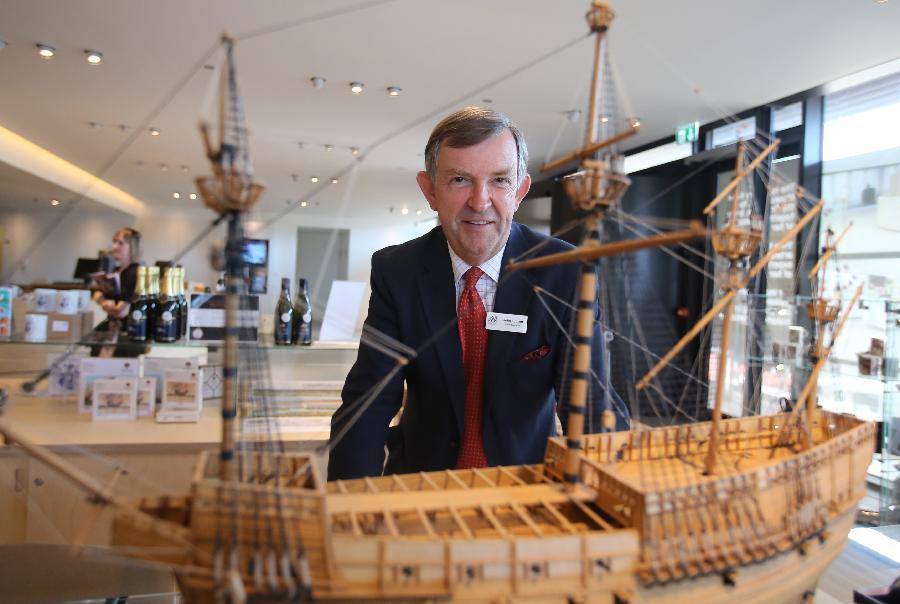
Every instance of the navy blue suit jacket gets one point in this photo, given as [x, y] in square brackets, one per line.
[413, 301]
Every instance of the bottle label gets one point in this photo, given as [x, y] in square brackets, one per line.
[137, 315]
[307, 317]
[285, 317]
[166, 316]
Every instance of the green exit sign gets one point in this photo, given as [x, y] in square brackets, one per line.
[687, 133]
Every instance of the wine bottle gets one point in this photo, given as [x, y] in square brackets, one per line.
[182, 301]
[152, 299]
[167, 309]
[302, 316]
[284, 314]
[137, 316]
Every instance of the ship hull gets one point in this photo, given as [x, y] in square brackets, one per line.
[645, 524]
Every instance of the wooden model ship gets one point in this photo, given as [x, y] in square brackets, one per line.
[740, 510]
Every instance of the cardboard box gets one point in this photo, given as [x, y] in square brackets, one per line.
[206, 318]
[93, 369]
[68, 328]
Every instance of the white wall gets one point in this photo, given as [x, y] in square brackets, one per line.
[86, 229]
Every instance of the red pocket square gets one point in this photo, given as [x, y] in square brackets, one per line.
[538, 353]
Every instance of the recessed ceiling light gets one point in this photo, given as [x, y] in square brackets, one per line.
[573, 115]
[139, 164]
[314, 179]
[54, 202]
[419, 212]
[354, 151]
[317, 81]
[488, 101]
[334, 180]
[634, 122]
[394, 90]
[154, 132]
[123, 128]
[95, 125]
[329, 147]
[300, 145]
[357, 87]
[404, 210]
[94, 57]
[604, 119]
[193, 196]
[176, 195]
[303, 204]
[209, 67]
[163, 167]
[46, 51]
[184, 168]
[881, 1]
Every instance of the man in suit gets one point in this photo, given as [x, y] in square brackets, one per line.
[475, 396]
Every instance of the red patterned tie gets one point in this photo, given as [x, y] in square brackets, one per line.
[473, 337]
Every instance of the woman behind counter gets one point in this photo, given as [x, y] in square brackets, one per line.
[114, 297]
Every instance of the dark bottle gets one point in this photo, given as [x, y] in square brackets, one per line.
[167, 309]
[302, 316]
[137, 316]
[152, 299]
[284, 314]
[182, 301]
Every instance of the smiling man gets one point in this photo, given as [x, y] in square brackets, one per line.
[488, 376]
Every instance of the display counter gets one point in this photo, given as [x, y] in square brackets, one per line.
[139, 457]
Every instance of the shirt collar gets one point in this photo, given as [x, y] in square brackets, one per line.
[491, 266]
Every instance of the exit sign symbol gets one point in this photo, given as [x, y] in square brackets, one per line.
[687, 133]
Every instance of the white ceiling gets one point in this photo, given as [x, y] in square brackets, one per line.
[676, 62]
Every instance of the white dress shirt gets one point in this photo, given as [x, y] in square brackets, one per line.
[486, 286]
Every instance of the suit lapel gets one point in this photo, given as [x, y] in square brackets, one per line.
[438, 294]
[514, 294]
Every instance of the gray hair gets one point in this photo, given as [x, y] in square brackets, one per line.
[471, 126]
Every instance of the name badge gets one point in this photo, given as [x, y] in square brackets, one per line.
[497, 321]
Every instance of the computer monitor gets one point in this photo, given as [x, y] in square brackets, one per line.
[256, 251]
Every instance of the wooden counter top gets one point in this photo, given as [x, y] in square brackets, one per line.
[55, 422]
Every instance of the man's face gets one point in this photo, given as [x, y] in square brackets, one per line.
[475, 195]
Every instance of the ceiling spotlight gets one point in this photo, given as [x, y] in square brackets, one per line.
[164, 167]
[394, 90]
[139, 164]
[356, 87]
[123, 128]
[604, 119]
[334, 180]
[317, 81]
[573, 115]
[354, 151]
[154, 132]
[94, 57]
[176, 195]
[54, 202]
[184, 168]
[95, 125]
[294, 177]
[314, 179]
[419, 212]
[404, 210]
[46, 51]
[329, 147]
[193, 196]
[779, 367]
[487, 101]
[634, 122]
[303, 204]
[300, 145]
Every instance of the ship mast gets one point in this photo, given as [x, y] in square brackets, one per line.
[822, 313]
[231, 191]
[596, 187]
[736, 244]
